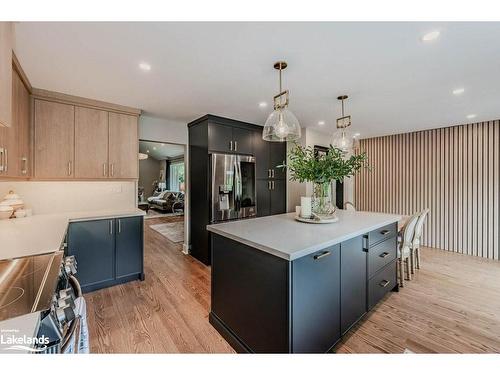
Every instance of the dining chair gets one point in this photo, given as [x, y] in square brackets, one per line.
[349, 206]
[404, 248]
[415, 244]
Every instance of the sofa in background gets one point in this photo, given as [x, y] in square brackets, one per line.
[168, 201]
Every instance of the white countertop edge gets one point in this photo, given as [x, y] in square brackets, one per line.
[308, 250]
[108, 216]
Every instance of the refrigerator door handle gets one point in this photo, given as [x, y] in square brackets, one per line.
[237, 185]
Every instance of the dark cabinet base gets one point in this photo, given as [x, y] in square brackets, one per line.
[108, 252]
[265, 304]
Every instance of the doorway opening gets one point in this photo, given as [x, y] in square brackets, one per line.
[161, 188]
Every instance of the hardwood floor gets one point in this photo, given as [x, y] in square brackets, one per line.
[451, 306]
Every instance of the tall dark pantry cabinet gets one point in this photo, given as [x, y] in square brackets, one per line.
[222, 135]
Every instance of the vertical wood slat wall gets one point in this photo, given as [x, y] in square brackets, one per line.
[454, 171]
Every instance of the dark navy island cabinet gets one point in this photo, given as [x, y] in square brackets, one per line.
[107, 251]
[263, 303]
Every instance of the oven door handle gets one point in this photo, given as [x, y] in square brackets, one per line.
[72, 334]
[75, 284]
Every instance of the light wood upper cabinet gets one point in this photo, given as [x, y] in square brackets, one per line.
[91, 143]
[54, 140]
[6, 41]
[21, 108]
[123, 146]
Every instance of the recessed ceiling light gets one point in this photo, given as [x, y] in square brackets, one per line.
[321, 123]
[458, 91]
[356, 135]
[163, 144]
[262, 104]
[433, 35]
[154, 148]
[147, 151]
[472, 115]
[145, 66]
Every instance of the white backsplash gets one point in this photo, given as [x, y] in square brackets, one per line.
[46, 197]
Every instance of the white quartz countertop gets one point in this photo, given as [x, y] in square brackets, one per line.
[283, 236]
[40, 234]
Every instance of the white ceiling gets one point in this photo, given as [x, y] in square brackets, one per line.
[396, 82]
[161, 151]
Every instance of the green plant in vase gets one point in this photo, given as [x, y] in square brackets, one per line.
[305, 165]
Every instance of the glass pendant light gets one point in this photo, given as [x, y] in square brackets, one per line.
[281, 125]
[343, 138]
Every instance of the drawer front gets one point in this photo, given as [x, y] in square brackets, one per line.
[382, 283]
[380, 255]
[382, 233]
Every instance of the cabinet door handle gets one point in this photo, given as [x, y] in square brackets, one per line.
[112, 169]
[231, 145]
[272, 184]
[272, 173]
[6, 166]
[268, 185]
[111, 227]
[384, 283]
[104, 169]
[384, 254]
[322, 255]
[119, 226]
[268, 173]
[2, 151]
[69, 168]
[24, 161]
[385, 232]
[235, 145]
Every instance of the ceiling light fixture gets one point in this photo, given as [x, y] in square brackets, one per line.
[355, 135]
[142, 156]
[472, 115]
[433, 35]
[145, 66]
[321, 123]
[281, 125]
[343, 138]
[458, 91]
[263, 105]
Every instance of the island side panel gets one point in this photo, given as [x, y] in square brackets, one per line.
[250, 297]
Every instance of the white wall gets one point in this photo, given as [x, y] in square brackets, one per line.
[163, 130]
[46, 197]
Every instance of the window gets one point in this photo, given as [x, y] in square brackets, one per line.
[176, 176]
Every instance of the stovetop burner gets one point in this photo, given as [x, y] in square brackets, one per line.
[27, 284]
[10, 296]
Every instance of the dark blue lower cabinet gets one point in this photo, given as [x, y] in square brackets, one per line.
[353, 281]
[316, 301]
[107, 252]
[129, 254]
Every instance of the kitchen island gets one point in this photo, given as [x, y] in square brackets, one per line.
[281, 286]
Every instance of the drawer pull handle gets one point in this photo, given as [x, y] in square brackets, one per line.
[384, 254]
[384, 283]
[385, 232]
[322, 255]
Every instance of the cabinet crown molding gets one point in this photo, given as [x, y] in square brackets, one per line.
[84, 102]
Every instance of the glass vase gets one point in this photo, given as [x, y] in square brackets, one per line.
[322, 205]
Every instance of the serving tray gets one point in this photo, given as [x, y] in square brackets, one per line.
[317, 221]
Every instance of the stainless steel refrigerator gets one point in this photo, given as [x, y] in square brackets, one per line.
[233, 191]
